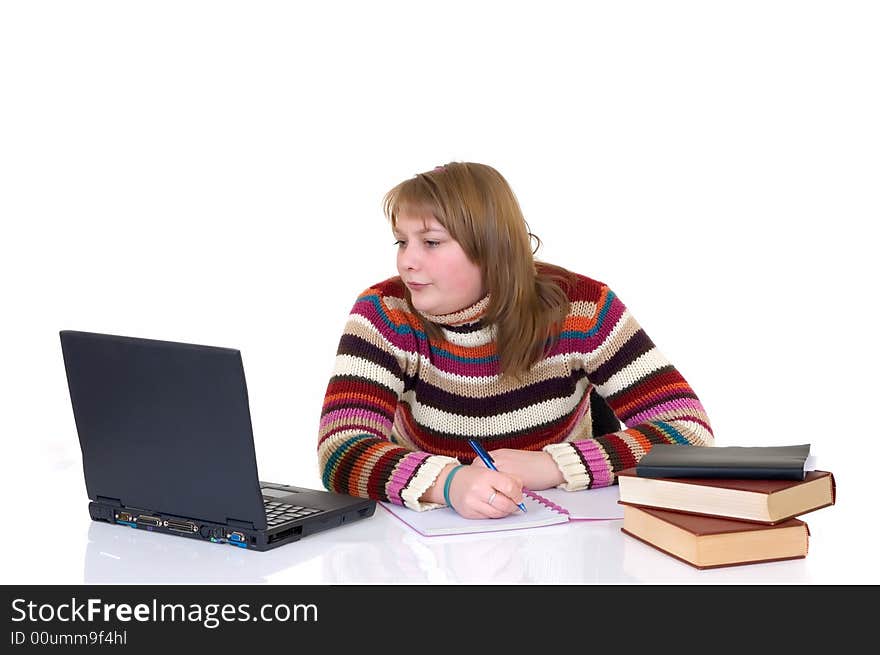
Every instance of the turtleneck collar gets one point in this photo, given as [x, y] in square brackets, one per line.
[464, 316]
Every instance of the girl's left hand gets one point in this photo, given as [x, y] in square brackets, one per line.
[536, 469]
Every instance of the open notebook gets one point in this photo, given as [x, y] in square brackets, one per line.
[547, 507]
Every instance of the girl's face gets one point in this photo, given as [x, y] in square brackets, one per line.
[440, 277]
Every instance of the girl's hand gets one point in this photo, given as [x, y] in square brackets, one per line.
[473, 487]
[536, 469]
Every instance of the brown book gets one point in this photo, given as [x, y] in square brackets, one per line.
[760, 501]
[707, 542]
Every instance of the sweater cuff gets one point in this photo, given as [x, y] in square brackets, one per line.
[571, 465]
[422, 480]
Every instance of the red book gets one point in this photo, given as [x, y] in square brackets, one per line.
[706, 542]
[760, 501]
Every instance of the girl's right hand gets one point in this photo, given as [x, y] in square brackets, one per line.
[473, 487]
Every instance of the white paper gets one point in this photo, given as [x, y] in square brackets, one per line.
[589, 504]
[447, 521]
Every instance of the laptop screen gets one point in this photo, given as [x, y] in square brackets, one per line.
[164, 426]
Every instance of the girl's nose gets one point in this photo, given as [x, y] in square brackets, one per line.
[408, 259]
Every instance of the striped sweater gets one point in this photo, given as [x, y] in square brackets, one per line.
[399, 407]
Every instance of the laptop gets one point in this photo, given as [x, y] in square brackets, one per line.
[167, 446]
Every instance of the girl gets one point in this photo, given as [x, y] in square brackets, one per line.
[476, 339]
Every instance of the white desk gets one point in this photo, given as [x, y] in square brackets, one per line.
[382, 550]
[66, 547]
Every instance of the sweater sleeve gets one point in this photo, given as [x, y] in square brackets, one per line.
[643, 389]
[357, 454]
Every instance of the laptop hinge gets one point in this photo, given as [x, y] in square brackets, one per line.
[108, 501]
[235, 523]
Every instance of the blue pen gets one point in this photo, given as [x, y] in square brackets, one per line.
[489, 462]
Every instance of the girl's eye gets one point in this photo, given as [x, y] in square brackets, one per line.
[400, 243]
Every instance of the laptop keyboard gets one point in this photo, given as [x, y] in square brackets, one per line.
[278, 513]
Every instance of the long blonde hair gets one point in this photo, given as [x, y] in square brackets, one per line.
[527, 302]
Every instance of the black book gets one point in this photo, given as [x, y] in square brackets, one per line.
[735, 462]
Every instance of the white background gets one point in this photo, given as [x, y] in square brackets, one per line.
[212, 172]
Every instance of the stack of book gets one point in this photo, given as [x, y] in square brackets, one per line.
[723, 506]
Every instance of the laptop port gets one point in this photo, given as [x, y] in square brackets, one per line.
[154, 521]
[181, 526]
[278, 536]
[124, 518]
[236, 537]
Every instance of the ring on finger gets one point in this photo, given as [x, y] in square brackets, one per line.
[492, 496]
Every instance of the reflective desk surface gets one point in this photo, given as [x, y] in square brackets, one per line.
[69, 548]
[382, 550]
